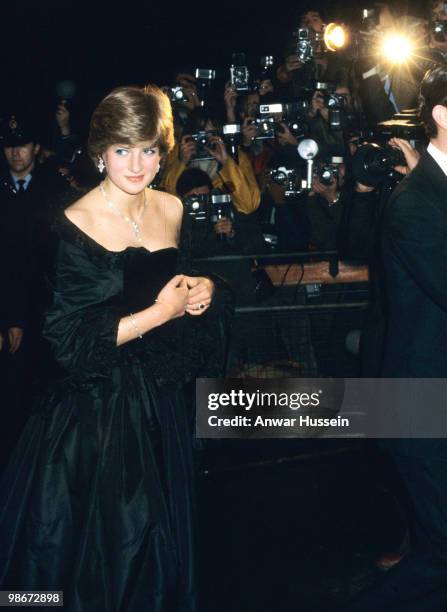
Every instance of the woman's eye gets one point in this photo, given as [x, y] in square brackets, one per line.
[121, 152]
[149, 151]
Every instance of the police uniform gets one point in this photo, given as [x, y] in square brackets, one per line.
[28, 206]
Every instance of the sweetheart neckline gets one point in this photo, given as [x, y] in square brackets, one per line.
[130, 247]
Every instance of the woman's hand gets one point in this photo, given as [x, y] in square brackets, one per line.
[173, 298]
[200, 294]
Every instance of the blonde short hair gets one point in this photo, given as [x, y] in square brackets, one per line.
[130, 115]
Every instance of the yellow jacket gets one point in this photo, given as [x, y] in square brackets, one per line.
[237, 179]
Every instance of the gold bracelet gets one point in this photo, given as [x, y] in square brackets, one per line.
[135, 326]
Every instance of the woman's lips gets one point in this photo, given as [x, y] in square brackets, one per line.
[135, 179]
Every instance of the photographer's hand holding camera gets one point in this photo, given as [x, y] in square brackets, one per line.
[224, 227]
[236, 179]
[230, 99]
[249, 132]
[188, 83]
[285, 137]
[317, 107]
[330, 192]
[187, 149]
[217, 149]
[411, 155]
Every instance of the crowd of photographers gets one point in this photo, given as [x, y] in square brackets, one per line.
[298, 154]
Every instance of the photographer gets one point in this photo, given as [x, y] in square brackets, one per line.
[220, 232]
[243, 109]
[358, 229]
[295, 73]
[287, 215]
[325, 204]
[236, 179]
[348, 107]
[67, 143]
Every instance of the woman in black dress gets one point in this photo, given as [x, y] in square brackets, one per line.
[97, 500]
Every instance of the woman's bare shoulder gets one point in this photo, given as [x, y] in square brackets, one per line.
[82, 212]
[170, 205]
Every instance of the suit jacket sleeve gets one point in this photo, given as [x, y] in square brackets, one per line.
[415, 233]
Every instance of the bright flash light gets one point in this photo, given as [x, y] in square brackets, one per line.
[397, 48]
[335, 36]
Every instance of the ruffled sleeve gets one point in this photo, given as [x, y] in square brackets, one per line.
[82, 323]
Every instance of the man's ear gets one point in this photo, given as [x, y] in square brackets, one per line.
[439, 114]
[36, 149]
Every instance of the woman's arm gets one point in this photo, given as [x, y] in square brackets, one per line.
[170, 304]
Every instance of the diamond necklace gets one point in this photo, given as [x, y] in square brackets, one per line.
[135, 226]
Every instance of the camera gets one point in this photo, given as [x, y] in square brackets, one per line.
[439, 31]
[239, 74]
[205, 74]
[209, 207]
[231, 133]
[197, 206]
[220, 207]
[270, 116]
[335, 104]
[373, 163]
[328, 172]
[202, 138]
[266, 72]
[334, 100]
[288, 178]
[370, 19]
[178, 95]
[304, 47]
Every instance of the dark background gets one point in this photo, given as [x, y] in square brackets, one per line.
[102, 44]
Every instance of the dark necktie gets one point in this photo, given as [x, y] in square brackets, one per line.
[21, 186]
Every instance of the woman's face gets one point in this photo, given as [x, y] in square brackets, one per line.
[132, 167]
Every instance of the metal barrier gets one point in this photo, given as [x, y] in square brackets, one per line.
[309, 325]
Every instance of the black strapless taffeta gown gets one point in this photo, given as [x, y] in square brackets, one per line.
[98, 498]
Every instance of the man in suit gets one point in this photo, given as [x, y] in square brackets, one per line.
[414, 260]
[32, 194]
